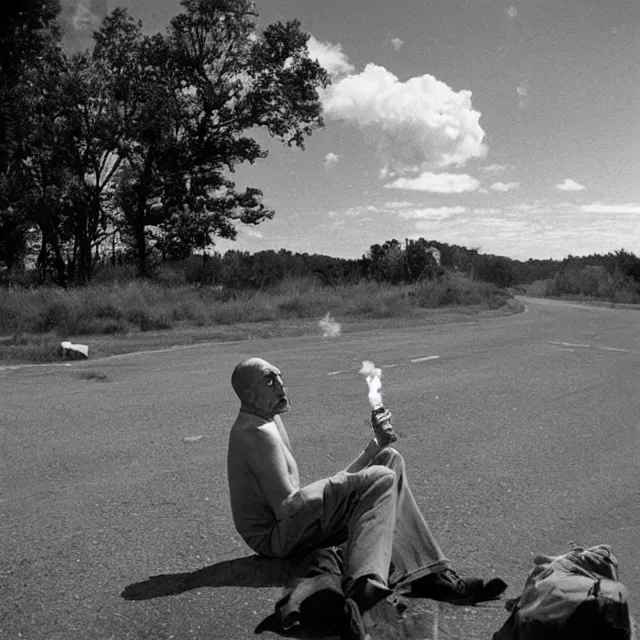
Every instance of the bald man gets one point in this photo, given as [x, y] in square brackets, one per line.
[368, 507]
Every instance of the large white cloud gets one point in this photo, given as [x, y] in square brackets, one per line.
[330, 57]
[437, 183]
[415, 125]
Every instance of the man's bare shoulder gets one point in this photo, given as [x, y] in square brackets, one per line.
[254, 434]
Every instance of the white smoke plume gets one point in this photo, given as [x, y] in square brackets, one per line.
[373, 376]
[330, 328]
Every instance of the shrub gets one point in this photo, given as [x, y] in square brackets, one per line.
[140, 305]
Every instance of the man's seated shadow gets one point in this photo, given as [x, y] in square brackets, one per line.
[250, 571]
[260, 571]
[322, 607]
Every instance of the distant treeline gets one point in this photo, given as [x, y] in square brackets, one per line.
[613, 276]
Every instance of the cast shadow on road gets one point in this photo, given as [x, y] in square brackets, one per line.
[320, 616]
[250, 571]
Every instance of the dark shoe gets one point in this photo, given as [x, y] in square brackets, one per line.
[448, 586]
[493, 589]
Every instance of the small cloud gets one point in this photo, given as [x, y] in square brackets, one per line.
[494, 168]
[487, 211]
[331, 159]
[598, 207]
[396, 43]
[253, 233]
[79, 19]
[523, 95]
[432, 213]
[570, 185]
[504, 186]
[330, 57]
[333, 214]
[398, 204]
[354, 212]
[437, 183]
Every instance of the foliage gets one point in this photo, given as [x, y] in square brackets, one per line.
[142, 305]
[29, 38]
[137, 137]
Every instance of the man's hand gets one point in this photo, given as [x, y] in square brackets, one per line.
[381, 424]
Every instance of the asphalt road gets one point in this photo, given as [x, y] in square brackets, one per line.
[521, 436]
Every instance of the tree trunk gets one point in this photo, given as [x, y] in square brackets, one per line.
[58, 261]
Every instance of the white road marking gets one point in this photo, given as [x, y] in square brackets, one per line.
[425, 358]
[571, 344]
[388, 366]
[614, 349]
[335, 373]
[15, 367]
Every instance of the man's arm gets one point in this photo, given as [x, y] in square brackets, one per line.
[365, 457]
[268, 463]
[372, 448]
[279, 481]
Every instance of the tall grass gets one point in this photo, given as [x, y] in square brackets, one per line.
[122, 307]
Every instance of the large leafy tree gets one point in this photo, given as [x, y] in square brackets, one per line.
[211, 81]
[29, 39]
[143, 133]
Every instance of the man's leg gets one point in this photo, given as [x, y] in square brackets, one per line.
[415, 552]
[358, 509]
[417, 558]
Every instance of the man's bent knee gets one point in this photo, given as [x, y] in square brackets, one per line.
[390, 458]
[378, 473]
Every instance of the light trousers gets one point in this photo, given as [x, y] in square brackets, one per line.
[373, 514]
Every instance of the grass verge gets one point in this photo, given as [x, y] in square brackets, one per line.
[135, 316]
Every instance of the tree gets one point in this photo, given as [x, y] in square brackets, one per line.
[29, 36]
[419, 262]
[210, 81]
[385, 262]
[496, 269]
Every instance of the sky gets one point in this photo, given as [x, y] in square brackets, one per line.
[511, 127]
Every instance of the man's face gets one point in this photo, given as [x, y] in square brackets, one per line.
[269, 393]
